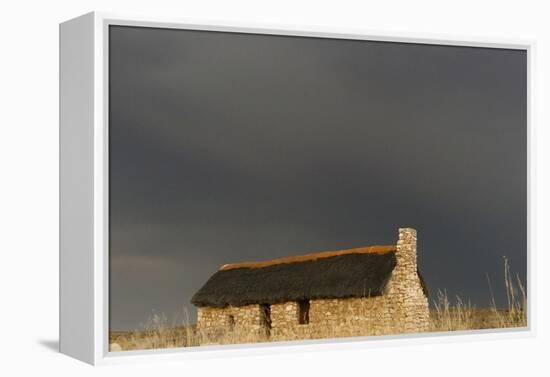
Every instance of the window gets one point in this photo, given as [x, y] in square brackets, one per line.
[231, 322]
[303, 312]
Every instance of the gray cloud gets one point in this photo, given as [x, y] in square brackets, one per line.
[228, 147]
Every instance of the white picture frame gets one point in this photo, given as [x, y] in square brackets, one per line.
[84, 221]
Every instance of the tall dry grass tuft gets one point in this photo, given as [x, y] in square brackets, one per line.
[449, 317]
[516, 295]
[446, 315]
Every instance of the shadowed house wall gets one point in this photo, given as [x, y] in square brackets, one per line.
[394, 298]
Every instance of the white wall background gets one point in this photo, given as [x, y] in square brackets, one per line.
[29, 185]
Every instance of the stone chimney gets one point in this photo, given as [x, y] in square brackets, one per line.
[412, 312]
[406, 250]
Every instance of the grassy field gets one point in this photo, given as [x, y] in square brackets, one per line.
[445, 315]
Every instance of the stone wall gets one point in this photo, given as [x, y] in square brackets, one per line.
[330, 318]
[231, 324]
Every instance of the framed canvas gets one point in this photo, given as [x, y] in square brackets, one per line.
[243, 189]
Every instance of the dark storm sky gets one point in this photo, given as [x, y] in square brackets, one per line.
[230, 147]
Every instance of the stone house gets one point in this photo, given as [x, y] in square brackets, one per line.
[369, 290]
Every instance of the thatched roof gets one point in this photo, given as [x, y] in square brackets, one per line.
[346, 273]
[378, 249]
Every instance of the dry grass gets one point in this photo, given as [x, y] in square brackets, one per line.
[444, 316]
[447, 316]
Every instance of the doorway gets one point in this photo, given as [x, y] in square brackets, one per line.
[265, 318]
